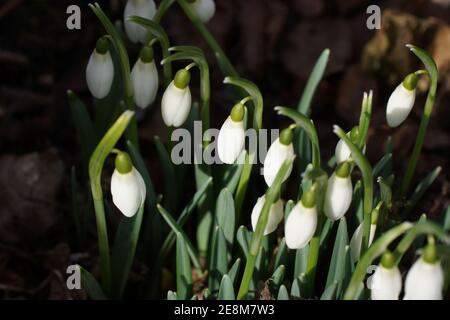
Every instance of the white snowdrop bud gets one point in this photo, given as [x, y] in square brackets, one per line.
[342, 151]
[425, 279]
[127, 186]
[338, 196]
[386, 282]
[144, 78]
[401, 101]
[176, 101]
[142, 8]
[275, 214]
[280, 151]
[301, 223]
[230, 142]
[100, 70]
[204, 9]
[356, 240]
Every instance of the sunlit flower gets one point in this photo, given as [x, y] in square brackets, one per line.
[401, 101]
[176, 101]
[338, 196]
[230, 141]
[142, 8]
[144, 78]
[275, 214]
[100, 70]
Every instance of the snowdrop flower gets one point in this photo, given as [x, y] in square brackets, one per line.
[386, 281]
[176, 101]
[275, 214]
[356, 240]
[280, 151]
[338, 196]
[141, 8]
[204, 9]
[342, 151]
[127, 186]
[100, 70]
[301, 223]
[425, 279]
[144, 78]
[401, 101]
[230, 142]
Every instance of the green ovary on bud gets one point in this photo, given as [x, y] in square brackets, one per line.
[182, 78]
[286, 136]
[410, 81]
[123, 162]
[343, 170]
[430, 254]
[309, 198]
[102, 45]
[237, 112]
[388, 260]
[146, 54]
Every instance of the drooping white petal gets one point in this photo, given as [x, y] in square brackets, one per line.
[231, 140]
[144, 78]
[276, 155]
[141, 8]
[300, 226]
[338, 197]
[175, 105]
[342, 151]
[128, 191]
[386, 284]
[99, 74]
[275, 214]
[356, 241]
[399, 105]
[204, 9]
[424, 281]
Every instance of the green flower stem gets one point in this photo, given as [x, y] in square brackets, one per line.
[252, 90]
[367, 174]
[159, 33]
[162, 9]
[375, 250]
[364, 119]
[96, 163]
[430, 65]
[271, 195]
[224, 63]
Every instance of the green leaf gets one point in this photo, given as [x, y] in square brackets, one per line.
[90, 284]
[364, 119]
[243, 236]
[447, 219]
[288, 208]
[184, 271]
[301, 261]
[234, 270]
[382, 164]
[299, 286]
[226, 290]
[282, 254]
[225, 215]
[283, 293]
[177, 229]
[277, 277]
[124, 249]
[326, 231]
[330, 292]
[421, 188]
[339, 259]
[83, 125]
[385, 192]
[170, 178]
[218, 265]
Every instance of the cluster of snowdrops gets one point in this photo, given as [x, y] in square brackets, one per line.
[380, 234]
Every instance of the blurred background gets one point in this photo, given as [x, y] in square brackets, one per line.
[274, 43]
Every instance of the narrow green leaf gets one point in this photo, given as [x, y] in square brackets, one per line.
[282, 254]
[299, 286]
[301, 261]
[226, 290]
[225, 215]
[283, 293]
[326, 231]
[421, 188]
[218, 265]
[277, 277]
[234, 270]
[176, 228]
[330, 292]
[170, 189]
[90, 284]
[243, 236]
[381, 165]
[447, 219]
[385, 192]
[184, 271]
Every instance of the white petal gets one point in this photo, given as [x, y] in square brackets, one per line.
[275, 214]
[144, 78]
[128, 191]
[399, 105]
[175, 105]
[300, 226]
[231, 140]
[356, 241]
[276, 155]
[386, 284]
[338, 197]
[204, 9]
[99, 74]
[141, 8]
[424, 281]
[342, 151]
